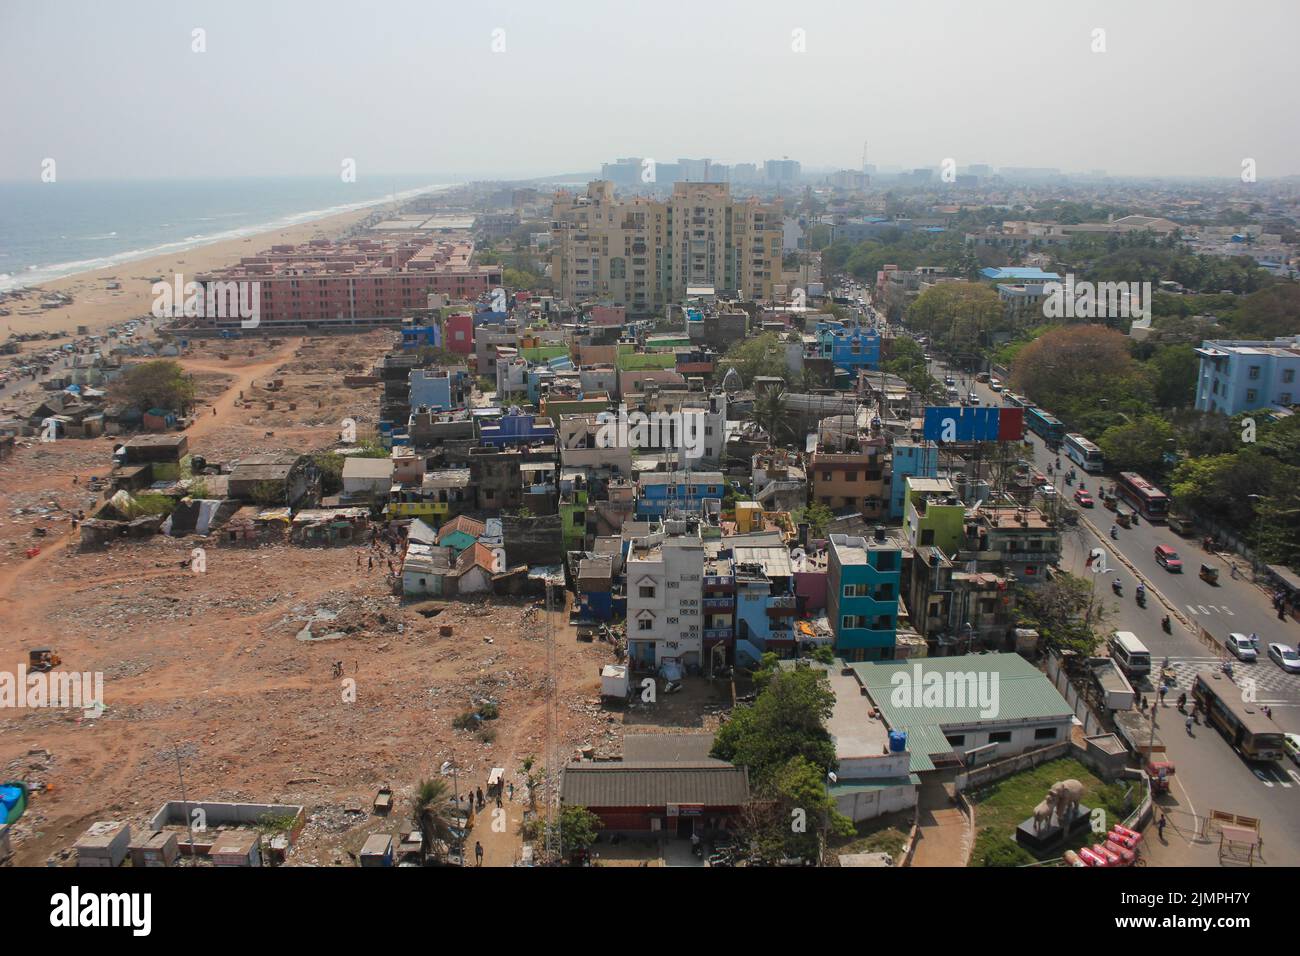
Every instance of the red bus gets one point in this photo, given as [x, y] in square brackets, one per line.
[1144, 497]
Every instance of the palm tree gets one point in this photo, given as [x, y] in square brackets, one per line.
[432, 814]
[769, 414]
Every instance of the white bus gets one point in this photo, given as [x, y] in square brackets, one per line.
[1084, 453]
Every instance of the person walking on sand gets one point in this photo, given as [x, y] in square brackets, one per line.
[370, 562]
[1160, 825]
[511, 786]
[478, 853]
[358, 559]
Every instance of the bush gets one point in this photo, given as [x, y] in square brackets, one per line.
[488, 710]
[487, 735]
[466, 721]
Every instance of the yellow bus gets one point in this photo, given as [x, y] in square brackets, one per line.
[1250, 732]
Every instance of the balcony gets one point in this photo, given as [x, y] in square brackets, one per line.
[718, 604]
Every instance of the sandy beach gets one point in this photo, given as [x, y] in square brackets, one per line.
[97, 306]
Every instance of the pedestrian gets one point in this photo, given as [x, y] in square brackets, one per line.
[358, 559]
[1160, 825]
[511, 785]
[370, 562]
[1163, 689]
[480, 796]
[1189, 725]
[478, 853]
[498, 798]
[214, 409]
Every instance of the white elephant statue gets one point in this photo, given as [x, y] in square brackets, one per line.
[1043, 813]
[1067, 794]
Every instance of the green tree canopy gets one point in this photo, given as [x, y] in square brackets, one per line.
[161, 383]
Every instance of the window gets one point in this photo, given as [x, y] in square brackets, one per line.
[1045, 733]
[647, 591]
[644, 624]
[1250, 394]
[927, 536]
[851, 476]
[886, 560]
[1000, 737]
[957, 740]
[1288, 375]
[826, 476]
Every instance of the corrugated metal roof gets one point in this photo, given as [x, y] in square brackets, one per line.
[653, 784]
[1023, 693]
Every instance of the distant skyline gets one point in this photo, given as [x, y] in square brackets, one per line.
[290, 88]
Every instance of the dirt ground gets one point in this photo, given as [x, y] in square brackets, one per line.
[218, 667]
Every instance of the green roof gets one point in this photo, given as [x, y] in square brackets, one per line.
[1012, 688]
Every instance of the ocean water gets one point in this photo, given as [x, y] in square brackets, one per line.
[52, 230]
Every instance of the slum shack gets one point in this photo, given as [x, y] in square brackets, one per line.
[324, 527]
[155, 849]
[377, 851]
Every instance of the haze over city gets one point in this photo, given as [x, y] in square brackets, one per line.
[291, 88]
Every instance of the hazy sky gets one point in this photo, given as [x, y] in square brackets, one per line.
[113, 89]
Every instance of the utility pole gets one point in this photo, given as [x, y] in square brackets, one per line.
[189, 820]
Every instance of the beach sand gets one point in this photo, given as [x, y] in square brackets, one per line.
[97, 307]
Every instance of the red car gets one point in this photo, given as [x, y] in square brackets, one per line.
[1083, 498]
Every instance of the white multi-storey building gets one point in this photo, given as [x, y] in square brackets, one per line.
[665, 596]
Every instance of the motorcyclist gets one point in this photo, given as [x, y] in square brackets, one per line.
[1182, 701]
[1116, 586]
[1114, 531]
[1164, 622]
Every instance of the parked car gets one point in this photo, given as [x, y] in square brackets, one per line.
[1084, 499]
[973, 398]
[1285, 657]
[1168, 559]
[949, 380]
[995, 385]
[1291, 744]
[1242, 647]
[1047, 490]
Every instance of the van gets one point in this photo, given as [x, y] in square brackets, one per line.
[1130, 654]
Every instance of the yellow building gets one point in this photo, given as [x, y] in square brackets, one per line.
[644, 255]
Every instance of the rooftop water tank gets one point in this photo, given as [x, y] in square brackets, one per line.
[897, 741]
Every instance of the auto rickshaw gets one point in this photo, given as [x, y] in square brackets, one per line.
[1159, 773]
[1123, 519]
[1209, 575]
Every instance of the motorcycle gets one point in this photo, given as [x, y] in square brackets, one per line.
[1069, 480]
[1141, 598]
[1117, 588]
[1114, 533]
[1165, 623]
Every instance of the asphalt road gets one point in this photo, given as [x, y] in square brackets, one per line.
[1210, 774]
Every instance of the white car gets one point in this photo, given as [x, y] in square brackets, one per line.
[1284, 657]
[1047, 490]
[1242, 647]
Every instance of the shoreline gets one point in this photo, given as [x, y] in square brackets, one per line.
[98, 307]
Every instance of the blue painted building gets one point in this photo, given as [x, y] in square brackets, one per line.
[421, 336]
[862, 595]
[516, 428]
[438, 389]
[659, 491]
[910, 460]
[1241, 376]
[850, 348]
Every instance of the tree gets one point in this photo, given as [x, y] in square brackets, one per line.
[761, 355]
[1066, 612]
[957, 314]
[158, 384]
[579, 828]
[1084, 375]
[787, 720]
[431, 814]
[770, 414]
[788, 816]
[817, 515]
[1138, 445]
[1175, 369]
